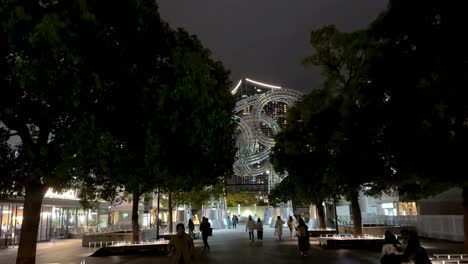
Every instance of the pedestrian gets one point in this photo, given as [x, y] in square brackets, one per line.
[228, 222]
[279, 227]
[259, 227]
[234, 221]
[404, 235]
[303, 237]
[191, 227]
[250, 226]
[414, 251]
[181, 247]
[292, 226]
[206, 230]
[390, 250]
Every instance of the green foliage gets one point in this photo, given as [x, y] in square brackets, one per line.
[416, 70]
[242, 198]
[199, 195]
[194, 124]
[43, 68]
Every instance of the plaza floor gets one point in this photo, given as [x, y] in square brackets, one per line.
[227, 246]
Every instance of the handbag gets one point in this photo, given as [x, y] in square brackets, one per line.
[210, 232]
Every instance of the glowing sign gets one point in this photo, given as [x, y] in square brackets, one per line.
[68, 195]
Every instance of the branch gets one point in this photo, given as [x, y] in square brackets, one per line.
[23, 132]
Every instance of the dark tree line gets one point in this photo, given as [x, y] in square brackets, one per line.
[391, 115]
[106, 101]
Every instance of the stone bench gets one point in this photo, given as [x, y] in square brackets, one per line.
[371, 243]
[320, 232]
[153, 248]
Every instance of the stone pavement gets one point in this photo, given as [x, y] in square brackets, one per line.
[227, 246]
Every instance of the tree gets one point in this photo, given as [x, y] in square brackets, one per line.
[416, 72]
[191, 143]
[170, 147]
[355, 159]
[242, 198]
[136, 45]
[49, 91]
[327, 146]
[301, 150]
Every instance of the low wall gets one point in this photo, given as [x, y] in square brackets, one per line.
[117, 236]
[374, 230]
[448, 227]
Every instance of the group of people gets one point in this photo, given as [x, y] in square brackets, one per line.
[232, 222]
[251, 226]
[301, 230]
[408, 248]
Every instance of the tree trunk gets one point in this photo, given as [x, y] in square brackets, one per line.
[336, 217]
[169, 207]
[135, 225]
[465, 217]
[321, 214]
[158, 224]
[357, 219]
[29, 228]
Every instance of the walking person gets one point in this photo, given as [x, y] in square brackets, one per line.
[234, 221]
[205, 228]
[291, 226]
[250, 226]
[259, 227]
[303, 237]
[191, 227]
[181, 247]
[228, 222]
[279, 227]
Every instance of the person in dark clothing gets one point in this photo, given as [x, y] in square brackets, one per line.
[414, 251]
[234, 221]
[191, 227]
[303, 237]
[205, 228]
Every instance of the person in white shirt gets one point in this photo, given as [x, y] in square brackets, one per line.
[250, 226]
[259, 227]
[391, 253]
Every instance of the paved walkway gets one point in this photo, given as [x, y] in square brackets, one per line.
[227, 246]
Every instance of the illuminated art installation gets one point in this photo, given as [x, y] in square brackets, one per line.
[253, 144]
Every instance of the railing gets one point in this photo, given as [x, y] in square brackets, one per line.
[449, 258]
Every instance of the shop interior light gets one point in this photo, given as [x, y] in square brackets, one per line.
[6, 212]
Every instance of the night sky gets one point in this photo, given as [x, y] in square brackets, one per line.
[266, 39]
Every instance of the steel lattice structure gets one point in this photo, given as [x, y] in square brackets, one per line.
[253, 144]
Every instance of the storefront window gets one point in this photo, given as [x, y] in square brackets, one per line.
[407, 208]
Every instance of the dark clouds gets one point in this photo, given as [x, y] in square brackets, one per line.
[266, 39]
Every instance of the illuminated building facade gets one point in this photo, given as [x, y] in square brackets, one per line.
[261, 112]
